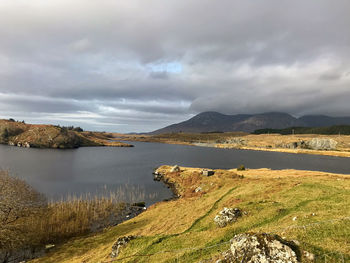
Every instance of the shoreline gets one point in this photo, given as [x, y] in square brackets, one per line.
[335, 153]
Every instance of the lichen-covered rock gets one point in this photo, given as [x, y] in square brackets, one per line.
[226, 216]
[121, 242]
[264, 248]
[322, 144]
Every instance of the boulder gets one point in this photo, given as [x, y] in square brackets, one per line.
[121, 242]
[250, 248]
[207, 172]
[226, 216]
[322, 144]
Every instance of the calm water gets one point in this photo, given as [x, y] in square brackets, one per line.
[58, 173]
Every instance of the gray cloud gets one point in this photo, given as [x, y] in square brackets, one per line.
[139, 65]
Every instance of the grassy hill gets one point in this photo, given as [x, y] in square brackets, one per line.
[49, 136]
[332, 130]
[306, 206]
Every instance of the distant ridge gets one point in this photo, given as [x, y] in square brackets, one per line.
[213, 121]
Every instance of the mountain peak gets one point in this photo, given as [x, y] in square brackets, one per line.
[211, 121]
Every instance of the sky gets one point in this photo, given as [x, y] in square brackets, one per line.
[137, 65]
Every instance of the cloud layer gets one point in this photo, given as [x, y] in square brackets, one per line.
[139, 65]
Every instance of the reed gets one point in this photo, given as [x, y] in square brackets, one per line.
[55, 221]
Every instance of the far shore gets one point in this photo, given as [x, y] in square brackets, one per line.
[262, 142]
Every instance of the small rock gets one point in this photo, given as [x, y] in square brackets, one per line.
[175, 168]
[309, 256]
[294, 218]
[226, 216]
[198, 189]
[157, 176]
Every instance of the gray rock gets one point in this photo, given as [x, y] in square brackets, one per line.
[226, 216]
[322, 144]
[251, 248]
[237, 141]
[120, 243]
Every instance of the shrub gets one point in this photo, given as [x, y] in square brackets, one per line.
[21, 208]
[241, 168]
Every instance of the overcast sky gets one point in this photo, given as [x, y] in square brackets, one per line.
[138, 65]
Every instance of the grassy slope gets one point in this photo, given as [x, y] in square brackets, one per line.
[271, 199]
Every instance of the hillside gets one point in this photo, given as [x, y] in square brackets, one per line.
[217, 122]
[48, 136]
[332, 130]
[304, 206]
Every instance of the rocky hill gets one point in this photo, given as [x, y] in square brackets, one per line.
[214, 121]
[48, 136]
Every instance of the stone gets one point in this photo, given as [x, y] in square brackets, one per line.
[157, 176]
[206, 172]
[322, 144]
[309, 256]
[251, 248]
[26, 145]
[237, 141]
[175, 168]
[226, 216]
[198, 189]
[120, 243]
[11, 143]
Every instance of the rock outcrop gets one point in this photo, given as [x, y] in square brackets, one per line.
[314, 144]
[250, 248]
[120, 243]
[226, 216]
[322, 144]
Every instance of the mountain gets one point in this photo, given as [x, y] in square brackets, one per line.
[214, 121]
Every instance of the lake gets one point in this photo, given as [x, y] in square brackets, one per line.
[98, 170]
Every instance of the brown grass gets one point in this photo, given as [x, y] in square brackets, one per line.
[271, 199]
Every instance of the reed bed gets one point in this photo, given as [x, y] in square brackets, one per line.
[55, 221]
